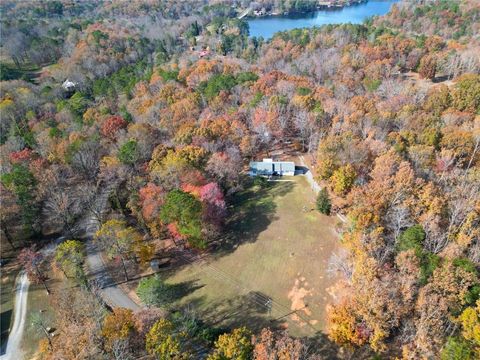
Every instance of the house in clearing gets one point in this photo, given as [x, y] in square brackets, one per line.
[268, 167]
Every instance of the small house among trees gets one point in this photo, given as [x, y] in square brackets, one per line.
[268, 167]
[69, 85]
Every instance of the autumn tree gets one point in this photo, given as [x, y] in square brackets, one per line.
[165, 342]
[214, 207]
[235, 345]
[118, 325]
[343, 179]
[145, 318]
[466, 93]
[118, 241]
[80, 314]
[150, 199]
[270, 345]
[226, 167]
[69, 257]
[112, 125]
[470, 322]
[428, 66]
[33, 261]
[344, 327]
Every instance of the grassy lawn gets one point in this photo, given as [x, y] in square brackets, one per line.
[40, 302]
[37, 300]
[276, 252]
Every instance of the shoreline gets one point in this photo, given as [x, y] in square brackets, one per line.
[320, 7]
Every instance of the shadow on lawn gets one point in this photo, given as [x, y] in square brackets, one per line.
[247, 310]
[242, 310]
[252, 212]
[321, 346]
[180, 290]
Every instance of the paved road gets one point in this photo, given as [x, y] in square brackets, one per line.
[111, 293]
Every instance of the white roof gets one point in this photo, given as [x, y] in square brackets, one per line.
[68, 84]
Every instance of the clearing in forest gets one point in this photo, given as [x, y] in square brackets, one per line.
[272, 268]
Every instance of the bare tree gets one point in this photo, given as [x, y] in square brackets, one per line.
[86, 159]
[63, 207]
[339, 263]
[121, 350]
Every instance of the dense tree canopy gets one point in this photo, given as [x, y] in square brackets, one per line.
[141, 117]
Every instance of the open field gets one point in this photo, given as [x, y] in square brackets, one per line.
[271, 271]
[38, 302]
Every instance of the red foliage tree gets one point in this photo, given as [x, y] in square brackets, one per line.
[214, 210]
[151, 198]
[20, 156]
[111, 126]
[173, 230]
[32, 261]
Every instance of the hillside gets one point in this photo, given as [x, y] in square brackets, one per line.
[127, 130]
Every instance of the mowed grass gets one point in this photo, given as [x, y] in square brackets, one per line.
[40, 302]
[277, 248]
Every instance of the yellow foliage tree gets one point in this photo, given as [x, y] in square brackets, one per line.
[236, 345]
[118, 325]
[164, 342]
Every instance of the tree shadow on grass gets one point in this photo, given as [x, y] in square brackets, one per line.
[185, 288]
[252, 211]
[243, 310]
[158, 292]
[251, 311]
[321, 347]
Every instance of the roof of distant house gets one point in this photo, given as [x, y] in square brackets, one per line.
[68, 84]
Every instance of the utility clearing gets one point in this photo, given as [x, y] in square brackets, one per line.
[272, 268]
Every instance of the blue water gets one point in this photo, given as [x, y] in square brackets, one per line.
[355, 14]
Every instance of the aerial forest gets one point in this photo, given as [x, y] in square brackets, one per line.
[130, 124]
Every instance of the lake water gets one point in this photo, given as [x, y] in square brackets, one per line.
[355, 14]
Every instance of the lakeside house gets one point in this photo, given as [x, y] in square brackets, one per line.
[268, 167]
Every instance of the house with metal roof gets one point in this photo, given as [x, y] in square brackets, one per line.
[268, 167]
